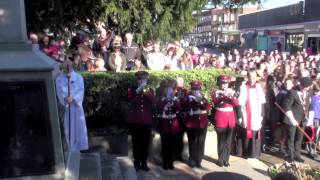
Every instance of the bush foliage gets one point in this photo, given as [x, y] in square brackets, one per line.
[106, 102]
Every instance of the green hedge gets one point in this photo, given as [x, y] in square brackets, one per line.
[105, 100]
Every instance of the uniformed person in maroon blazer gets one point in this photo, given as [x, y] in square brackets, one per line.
[168, 107]
[182, 95]
[140, 119]
[197, 108]
[224, 117]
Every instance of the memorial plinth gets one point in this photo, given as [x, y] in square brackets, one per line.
[30, 136]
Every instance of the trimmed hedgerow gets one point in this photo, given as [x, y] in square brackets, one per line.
[105, 100]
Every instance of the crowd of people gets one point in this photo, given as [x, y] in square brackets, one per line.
[278, 96]
[108, 52]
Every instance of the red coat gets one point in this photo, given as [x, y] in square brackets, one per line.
[224, 115]
[197, 113]
[141, 107]
[168, 117]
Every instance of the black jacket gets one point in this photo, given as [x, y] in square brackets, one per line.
[292, 103]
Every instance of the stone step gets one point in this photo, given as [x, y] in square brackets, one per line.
[72, 165]
[127, 168]
[110, 167]
[90, 166]
[117, 167]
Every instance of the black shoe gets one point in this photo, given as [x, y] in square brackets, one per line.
[179, 158]
[289, 159]
[136, 166]
[299, 159]
[165, 167]
[313, 156]
[219, 163]
[192, 164]
[198, 165]
[226, 164]
[145, 167]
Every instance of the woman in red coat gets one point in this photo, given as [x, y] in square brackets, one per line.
[224, 118]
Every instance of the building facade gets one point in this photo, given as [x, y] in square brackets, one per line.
[289, 29]
[216, 26]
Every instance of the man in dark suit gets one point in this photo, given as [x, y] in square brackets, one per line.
[297, 105]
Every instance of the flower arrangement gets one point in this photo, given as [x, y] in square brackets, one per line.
[300, 170]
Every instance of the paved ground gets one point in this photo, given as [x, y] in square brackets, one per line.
[240, 168]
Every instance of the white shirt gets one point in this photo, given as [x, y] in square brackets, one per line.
[155, 61]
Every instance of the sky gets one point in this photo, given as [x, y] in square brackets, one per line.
[278, 3]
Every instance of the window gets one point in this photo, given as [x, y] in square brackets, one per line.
[214, 17]
[232, 17]
[226, 19]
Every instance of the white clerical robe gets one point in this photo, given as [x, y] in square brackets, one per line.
[78, 129]
[257, 98]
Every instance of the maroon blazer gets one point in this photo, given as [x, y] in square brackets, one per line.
[168, 118]
[197, 113]
[224, 115]
[141, 107]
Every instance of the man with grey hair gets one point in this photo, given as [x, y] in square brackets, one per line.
[131, 50]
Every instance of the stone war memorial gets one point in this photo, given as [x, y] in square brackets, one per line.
[30, 133]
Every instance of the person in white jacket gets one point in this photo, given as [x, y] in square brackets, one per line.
[70, 92]
[155, 59]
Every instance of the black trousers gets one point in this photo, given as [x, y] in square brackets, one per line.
[295, 138]
[224, 143]
[248, 147]
[196, 140]
[141, 135]
[179, 143]
[168, 145]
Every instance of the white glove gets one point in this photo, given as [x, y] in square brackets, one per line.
[309, 122]
[140, 88]
[243, 124]
[192, 98]
[293, 121]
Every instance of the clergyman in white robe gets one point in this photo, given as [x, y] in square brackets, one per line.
[77, 138]
[252, 100]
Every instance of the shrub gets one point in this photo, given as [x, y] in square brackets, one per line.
[105, 100]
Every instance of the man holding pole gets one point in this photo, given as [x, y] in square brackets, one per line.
[70, 91]
[296, 105]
